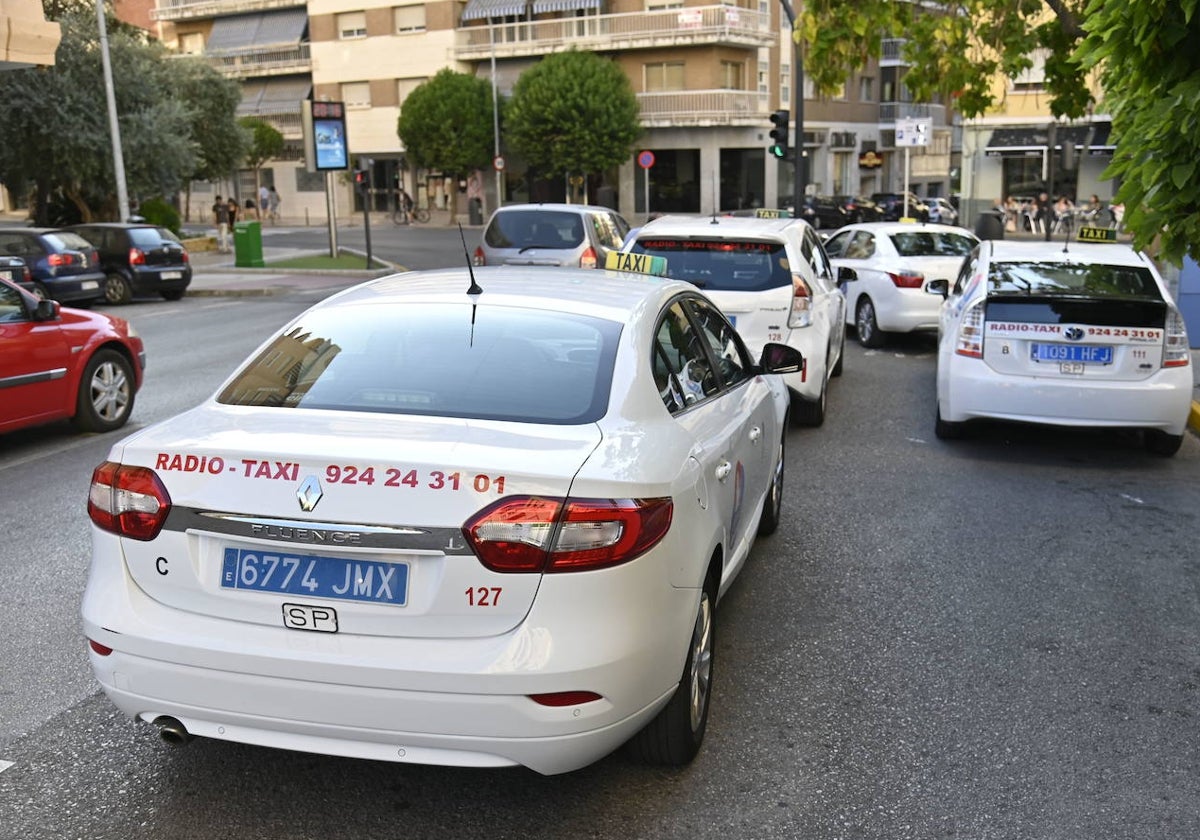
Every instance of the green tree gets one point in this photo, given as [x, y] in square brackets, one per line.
[446, 124]
[1151, 82]
[265, 143]
[573, 113]
[211, 100]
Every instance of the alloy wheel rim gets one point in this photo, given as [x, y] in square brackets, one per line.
[701, 676]
[865, 315]
[110, 391]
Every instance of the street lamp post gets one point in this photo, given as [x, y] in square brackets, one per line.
[800, 167]
[113, 125]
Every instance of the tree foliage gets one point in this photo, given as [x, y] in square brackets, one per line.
[573, 113]
[1151, 82]
[212, 101]
[446, 123]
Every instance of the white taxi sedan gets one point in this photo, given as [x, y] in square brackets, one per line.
[1082, 335]
[771, 277]
[435, 522]
[893, 264]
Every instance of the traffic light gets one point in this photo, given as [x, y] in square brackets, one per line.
[362, 180]
[779, 134]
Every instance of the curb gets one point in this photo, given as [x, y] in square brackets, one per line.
[1194, 417]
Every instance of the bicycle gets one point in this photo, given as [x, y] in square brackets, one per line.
[416, 214]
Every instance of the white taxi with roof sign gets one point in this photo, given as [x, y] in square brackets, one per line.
[771, 277]
[448, 519]
[1073, 334]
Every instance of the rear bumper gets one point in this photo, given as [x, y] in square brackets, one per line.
[971, 390]
[79, 287]
[150, 280]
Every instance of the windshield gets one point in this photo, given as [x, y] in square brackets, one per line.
[446, 360]
[1091, 280]
[928, 243]
[721, 264]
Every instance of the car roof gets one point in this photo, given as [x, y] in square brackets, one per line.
[905, 227]
[610, 295]
[575, 208]
[718, 227]
[1107, 253]
[116, 225]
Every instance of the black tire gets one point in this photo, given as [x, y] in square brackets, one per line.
[420, 214]
[675, 734]
[106, 392]
[945, 430]
[772, 510]
[1158, 442]
[172, 294]
[40, 290]
[117, 290]
[810, 412]
[869, 334]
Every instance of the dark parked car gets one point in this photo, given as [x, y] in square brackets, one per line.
[63, 266]
[891, 206]
[14, 269]
[859, 208]
[139, 259]
[820, 211]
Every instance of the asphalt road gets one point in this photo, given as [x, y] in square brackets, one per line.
[995, 638]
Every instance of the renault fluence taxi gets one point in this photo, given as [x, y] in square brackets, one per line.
[437, 519]
[1076, 335]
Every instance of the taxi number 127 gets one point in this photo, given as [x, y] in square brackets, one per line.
[483, 596]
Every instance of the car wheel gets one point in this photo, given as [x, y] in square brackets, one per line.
[106, 392]
[173, 294]
[869, 334]
[837, 369]
[1158, 442]
[773, 504]
[675, 734]
[40, 290]
[117, 289]
[945, 430]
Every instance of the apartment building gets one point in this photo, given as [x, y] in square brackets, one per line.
[27, 39]
[707, 77]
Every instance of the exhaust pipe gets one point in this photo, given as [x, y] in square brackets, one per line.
[172, 731]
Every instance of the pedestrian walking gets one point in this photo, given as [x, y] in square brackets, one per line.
[221, 219]
[233, 211]
[273, 203]
[264, 201]
[251, 210]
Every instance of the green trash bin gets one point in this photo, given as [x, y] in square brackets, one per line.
[247, 245]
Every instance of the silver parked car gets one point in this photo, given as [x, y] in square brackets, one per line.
[576, 235]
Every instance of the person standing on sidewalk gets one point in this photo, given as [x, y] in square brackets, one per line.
[221, 220]
[273, 203]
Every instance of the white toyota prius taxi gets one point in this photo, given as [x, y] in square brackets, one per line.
[437, 522]
[1075, 334]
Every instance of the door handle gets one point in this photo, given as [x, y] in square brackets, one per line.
[723, 470]
[756, 434]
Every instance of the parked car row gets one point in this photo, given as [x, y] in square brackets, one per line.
[89, 263]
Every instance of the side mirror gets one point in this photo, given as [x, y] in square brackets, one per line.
[780, 358]
[938, 287]
[46, 310]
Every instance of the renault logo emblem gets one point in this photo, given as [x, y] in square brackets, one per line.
[309, 493]
[1073, 333]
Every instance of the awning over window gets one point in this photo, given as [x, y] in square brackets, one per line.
[271, 96]
[482, 9]
[231, 34]
[544, 6]
[1033, 141]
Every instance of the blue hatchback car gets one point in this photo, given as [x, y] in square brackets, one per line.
[63, 266]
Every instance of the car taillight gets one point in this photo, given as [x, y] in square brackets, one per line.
[1175, 345]
[137, 257]
[969, 341]
[588, 260]
[536, 534]
[480, 258]
[185, 258]
[801, 312]
[907, 279]
[130, 501]
[28, 275]
[59, 260]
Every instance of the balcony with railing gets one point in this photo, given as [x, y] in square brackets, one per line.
[285, 117]
[691, 26]
[892, 54]
[262, 61]
[889, 112]
[697, 108]
[191, 9]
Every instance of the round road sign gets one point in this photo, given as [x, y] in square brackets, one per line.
[498, 163]
[645, 159]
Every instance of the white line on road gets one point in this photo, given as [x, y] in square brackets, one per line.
[4, 765]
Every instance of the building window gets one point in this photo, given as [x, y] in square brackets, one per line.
[352, 25]
[192, 43]
[764, 71]
[659, 5]
[1032, 80]
[733, 75]
[785, 83]
[356, 94]
[663, 76]
[406, 86]
[810, 89]
[410, 18]
[866, 89]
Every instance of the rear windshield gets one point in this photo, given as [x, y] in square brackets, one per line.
[535, 229]
[150, 237]
[1047, 278]
[64, 240]
[721, 264]
[929, 243]
[447, 360]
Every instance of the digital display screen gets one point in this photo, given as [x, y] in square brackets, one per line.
[329, 140]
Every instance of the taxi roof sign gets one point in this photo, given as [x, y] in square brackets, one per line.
[636, 263]
[766, 213]
[1095, 234]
